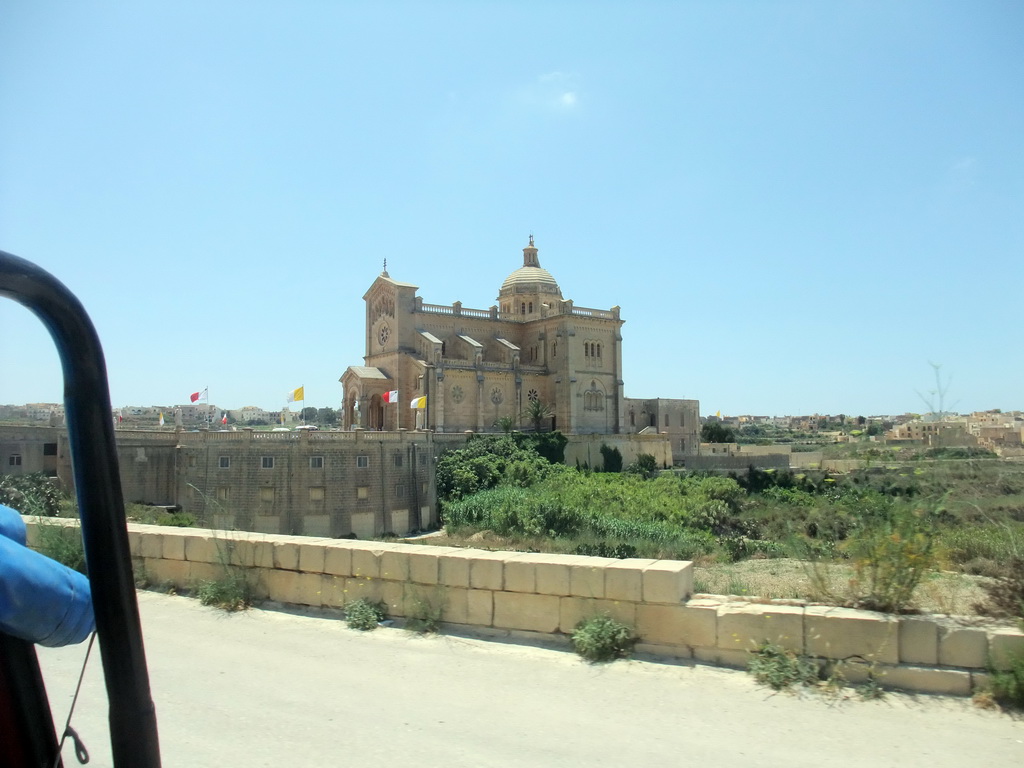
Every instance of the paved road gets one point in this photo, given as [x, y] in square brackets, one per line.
[266, 688]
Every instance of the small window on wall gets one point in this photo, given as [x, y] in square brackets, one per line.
[400, 490]
[15, 460]
[49, 449]
[362, 462]
[224, 462]
[362, 493]
[223, 492]
[267, 494]
[398, 459]
[267, 462]
[423, 459]
[316, 462]
[191, 461]
[316, 493]
[666, 419]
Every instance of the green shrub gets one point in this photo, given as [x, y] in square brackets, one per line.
[602, 638]
[31, 494]
[150, 515]
[612, 459]
[548, 445]
[779, 669]
[963, 545]
[1007, 685]
[889, 560]
[231, 592]
[488, 461]
[62, 543]
[424, 616]
[364, 614]
[606, 549]
[645, 465]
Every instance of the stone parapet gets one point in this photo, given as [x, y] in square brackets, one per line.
[549, 594]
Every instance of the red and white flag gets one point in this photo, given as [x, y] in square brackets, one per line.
[224, 418]
[390, 397]
[195, 397]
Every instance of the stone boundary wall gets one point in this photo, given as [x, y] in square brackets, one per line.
[516, 593]
[586, 449]
[722, 462]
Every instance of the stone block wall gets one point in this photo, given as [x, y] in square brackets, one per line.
[513, 592]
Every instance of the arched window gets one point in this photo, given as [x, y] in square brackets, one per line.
[598, 350]
[586, 349]
[522, 308]
[531, 307]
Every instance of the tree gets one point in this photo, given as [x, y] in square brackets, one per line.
[612, 459]
[506, 424]
[537, 412]
[713, 432]
[645, 465]
[327, 416]
[309, 413]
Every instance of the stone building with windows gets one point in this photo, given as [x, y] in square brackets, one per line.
[469, 368]
[676, 419]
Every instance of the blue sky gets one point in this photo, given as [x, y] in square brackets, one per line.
[798, 205]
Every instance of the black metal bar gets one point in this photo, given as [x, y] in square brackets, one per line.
[133, 732]
[26, 724]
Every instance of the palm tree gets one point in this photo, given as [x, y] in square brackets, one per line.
[537, 412]
[506, 424]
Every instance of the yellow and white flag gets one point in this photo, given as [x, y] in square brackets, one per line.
[161, 418]
[419, 402]
[297, 394]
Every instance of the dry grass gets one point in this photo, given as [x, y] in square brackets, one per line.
[767, 579]
[940, 592]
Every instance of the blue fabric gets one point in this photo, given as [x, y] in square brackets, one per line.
[11, 525]
[41, 600]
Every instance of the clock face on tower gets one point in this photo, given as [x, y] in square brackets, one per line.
[383, 334]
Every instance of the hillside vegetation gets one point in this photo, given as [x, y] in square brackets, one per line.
[890, 525]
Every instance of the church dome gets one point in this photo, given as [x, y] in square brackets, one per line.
[528, 276]
[531, 277]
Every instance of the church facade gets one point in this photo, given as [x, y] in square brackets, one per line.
[453, 369]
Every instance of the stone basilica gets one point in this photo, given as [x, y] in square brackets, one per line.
[468, 368]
